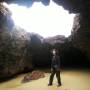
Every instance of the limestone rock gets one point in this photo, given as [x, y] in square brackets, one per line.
[14, 54]
[55, 39]
[81, 33]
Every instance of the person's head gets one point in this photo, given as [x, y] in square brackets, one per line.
[54, 51]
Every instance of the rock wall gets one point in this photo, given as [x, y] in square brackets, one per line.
[14, 53]
[14, 44]
[81, 33]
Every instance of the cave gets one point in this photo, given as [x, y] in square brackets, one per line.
[20, 49]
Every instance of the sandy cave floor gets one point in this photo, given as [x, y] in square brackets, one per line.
[71, 80]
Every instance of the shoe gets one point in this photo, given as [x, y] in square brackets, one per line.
[49, 84]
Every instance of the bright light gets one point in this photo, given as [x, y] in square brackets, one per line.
[45, 20]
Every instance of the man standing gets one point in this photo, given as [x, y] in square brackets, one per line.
[55, 68]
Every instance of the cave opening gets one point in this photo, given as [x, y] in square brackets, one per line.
[51, 26]
[47, 21]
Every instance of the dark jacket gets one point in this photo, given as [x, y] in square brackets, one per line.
[55, 62]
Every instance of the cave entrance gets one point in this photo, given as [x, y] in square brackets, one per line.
[45, 20]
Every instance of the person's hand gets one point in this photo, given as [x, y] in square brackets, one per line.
[51, 69]
[58, 69]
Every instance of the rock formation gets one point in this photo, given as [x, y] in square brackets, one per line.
[14, 53]
[81, 34]
[55, 39]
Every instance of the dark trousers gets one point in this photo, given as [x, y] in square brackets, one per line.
[53, 72]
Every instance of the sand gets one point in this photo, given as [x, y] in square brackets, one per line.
[71, 80]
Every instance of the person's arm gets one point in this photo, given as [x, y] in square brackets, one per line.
[58, 62]
[52, 64]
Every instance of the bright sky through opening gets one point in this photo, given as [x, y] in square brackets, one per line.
[45, 20]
